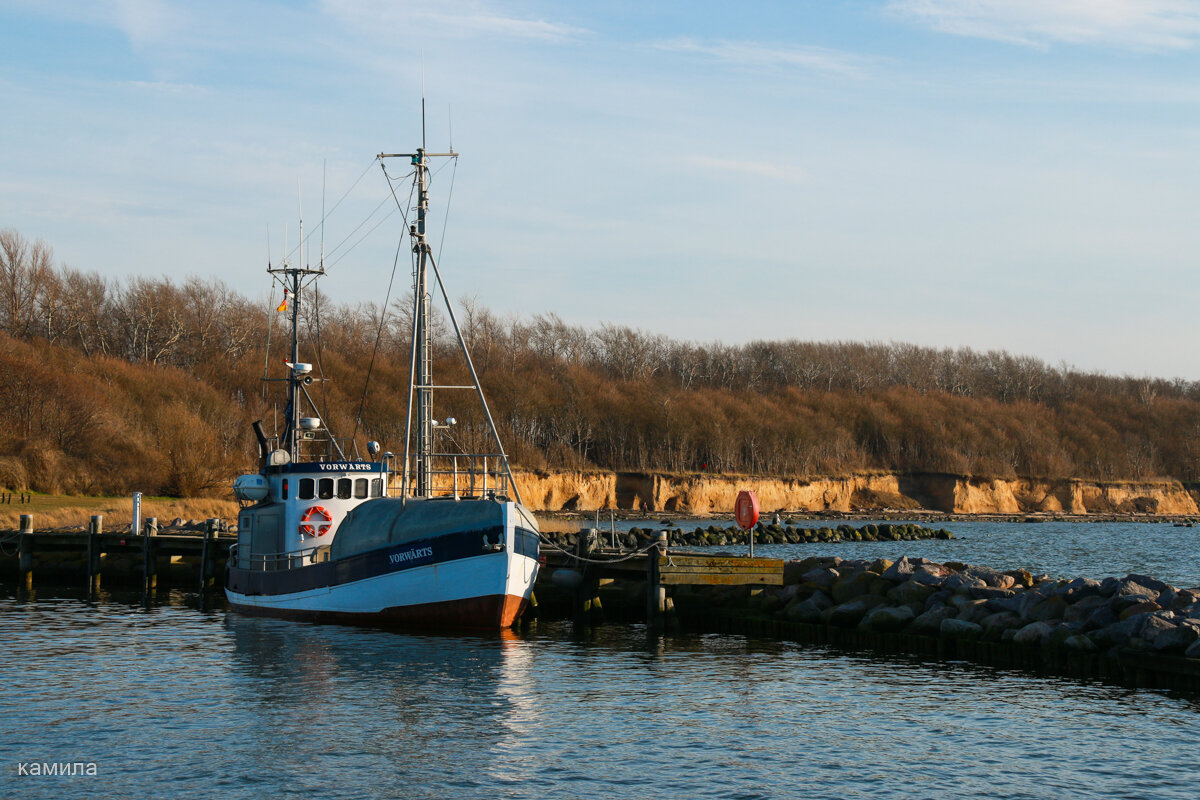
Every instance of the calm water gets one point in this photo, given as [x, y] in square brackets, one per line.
[170, 700]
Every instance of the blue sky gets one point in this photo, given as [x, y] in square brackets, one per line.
[1005, 174]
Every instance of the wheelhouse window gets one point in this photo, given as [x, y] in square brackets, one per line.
[344, 488]
[360, 488]
[306, 489]
[376, 487]
[325, 488]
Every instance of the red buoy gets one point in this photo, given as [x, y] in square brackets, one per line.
[745, 510]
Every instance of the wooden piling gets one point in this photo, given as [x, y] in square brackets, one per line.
[25, 551]
[150, 554]
[95, 530]
[656, 594]
[208, 551]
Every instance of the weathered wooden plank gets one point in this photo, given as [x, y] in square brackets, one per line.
[719, 579]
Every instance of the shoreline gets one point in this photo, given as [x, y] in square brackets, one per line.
[626, 515]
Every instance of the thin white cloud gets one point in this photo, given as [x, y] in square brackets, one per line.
[758, 55]
[462, 19]
[760, 169]
[1125, 24]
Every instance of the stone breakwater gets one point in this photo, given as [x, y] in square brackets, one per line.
[1115, 617]
[763, 534]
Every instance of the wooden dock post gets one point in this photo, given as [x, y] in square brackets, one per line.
[656, 594]
[150, 554]
[208, 551]
[93, 551]
[25, 551]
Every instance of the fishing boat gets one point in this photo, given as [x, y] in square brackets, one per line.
[326, 535]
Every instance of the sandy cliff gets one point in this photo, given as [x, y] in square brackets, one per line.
[958, 494]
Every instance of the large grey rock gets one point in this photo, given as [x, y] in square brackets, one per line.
[960, 628]
[1084, 608]
[932, 574]
[901, 570]
[821, 577]
[938, 598]
[809, 610]
[990, 593]
[996, 623]
[1174, 640]
[1048, 609]
[930, 621]
[1121, 632]
[849, 587]
[963, 582]
[850, 613]
[1100, 618]
[1079, 641]
[1193, 650]
[1150, 583]
[992, 578]
[887, 618]
[910, 592]
[1155, 625]
[1035, 633]
[973, 610]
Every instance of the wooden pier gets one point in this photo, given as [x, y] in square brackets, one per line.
[84, 558]
[592, 566]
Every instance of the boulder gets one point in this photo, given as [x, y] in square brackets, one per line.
[1193, 650]
[1021, 577]
[930, 621]
[1152, 584]
[1100, 618]
[960, 628]
[932, 574]
[856, 585]
[992, 578]
[1083, 608]
[887, 618]
[821, 577]
[910, 592]
[1035, 633]
[996, 623]
[963, 582]
[1081, 642]
[1048, 609]
[1079, 588]
[850, 613]
[988, 592]
[1174, 640]
[1144, 607]
[1155, 625]
[900, 570]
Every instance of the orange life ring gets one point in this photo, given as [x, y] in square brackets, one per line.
[318, 527]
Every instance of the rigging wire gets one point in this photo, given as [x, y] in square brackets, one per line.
[364, 237]
[335, 207]
[357, 227]
[388, 297]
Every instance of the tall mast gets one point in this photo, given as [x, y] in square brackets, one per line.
[422, 299]
[294, 279]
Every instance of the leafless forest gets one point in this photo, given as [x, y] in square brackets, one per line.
[149, 384]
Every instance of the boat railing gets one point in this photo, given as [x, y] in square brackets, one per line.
[468, 475]
[270, 562]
